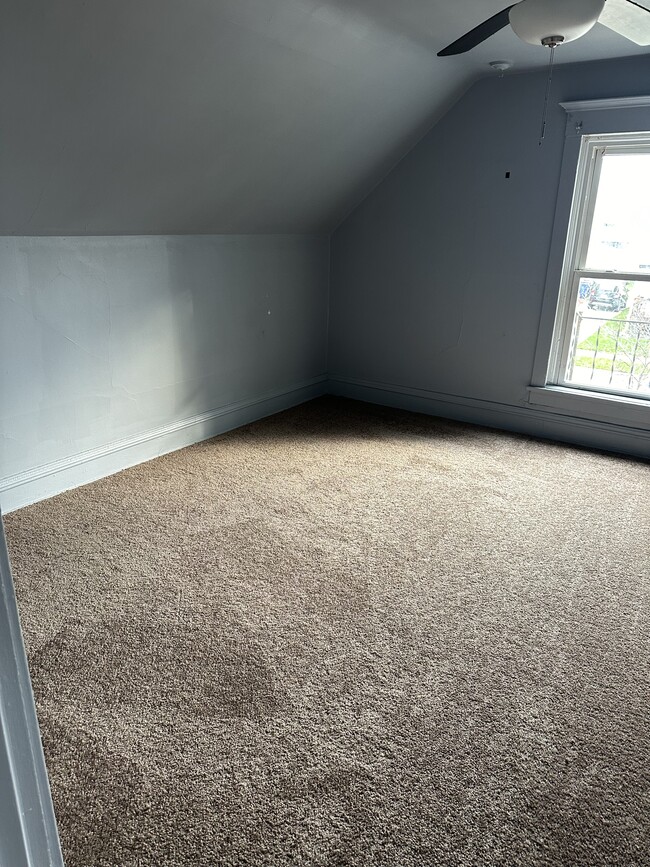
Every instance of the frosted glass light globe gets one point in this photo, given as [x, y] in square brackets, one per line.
[534, 20]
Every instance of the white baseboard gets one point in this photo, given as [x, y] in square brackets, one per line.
[80, 469]
[519, 419]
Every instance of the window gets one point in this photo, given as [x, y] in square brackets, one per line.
[601, 339]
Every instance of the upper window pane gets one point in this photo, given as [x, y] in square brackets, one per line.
[620, 233]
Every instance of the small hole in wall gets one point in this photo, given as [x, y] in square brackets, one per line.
[507, 174]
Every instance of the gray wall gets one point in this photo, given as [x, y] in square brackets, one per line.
[437, 278]
[103, 339]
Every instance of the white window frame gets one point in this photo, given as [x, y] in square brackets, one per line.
[592, 150]
[589, 118]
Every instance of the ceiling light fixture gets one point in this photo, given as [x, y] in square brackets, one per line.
[551, 22]
[563, 21]
[501, 66]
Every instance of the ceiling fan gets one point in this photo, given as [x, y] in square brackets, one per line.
[552, 22]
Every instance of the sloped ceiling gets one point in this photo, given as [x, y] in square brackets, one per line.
[221, 116]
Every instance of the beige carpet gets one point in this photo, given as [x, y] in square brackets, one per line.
[346, 636]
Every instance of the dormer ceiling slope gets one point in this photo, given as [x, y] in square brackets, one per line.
[226, 116]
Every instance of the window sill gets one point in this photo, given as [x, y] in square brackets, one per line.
[613, 408]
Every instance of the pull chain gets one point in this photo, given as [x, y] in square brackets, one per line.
[552, 42]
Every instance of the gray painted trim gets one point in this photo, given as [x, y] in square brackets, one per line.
[538, 421]
[80, 469]
[593, 404]
[599, 104]
[28, 834]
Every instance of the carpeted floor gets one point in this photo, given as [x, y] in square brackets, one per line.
[346, 636]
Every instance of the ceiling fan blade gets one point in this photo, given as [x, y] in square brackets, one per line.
[478, 34]
[630, 19]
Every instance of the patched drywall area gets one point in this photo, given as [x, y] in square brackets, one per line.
[103, 339]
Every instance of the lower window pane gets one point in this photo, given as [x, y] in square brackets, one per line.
[611, 337]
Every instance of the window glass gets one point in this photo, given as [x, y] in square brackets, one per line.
[610, 347]
[620, 231]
